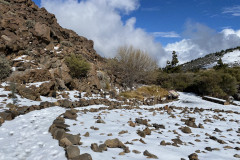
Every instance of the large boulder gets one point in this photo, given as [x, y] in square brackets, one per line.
[46, 88]
[28, 93]
[42, 31]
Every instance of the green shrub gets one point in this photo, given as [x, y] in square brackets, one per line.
[78, 66]
[5, 68]
[221, 83]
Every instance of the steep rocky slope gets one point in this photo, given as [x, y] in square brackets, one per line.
[36, 45]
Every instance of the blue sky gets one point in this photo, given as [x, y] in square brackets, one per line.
[181, 25]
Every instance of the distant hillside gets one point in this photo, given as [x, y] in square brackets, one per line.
[230, 56]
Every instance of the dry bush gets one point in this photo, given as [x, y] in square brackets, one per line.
[145, 92]
[132, 66]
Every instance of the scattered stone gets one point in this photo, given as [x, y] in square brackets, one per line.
[217, 130]
[123, 132]
[193, 156]
[149, 155]
[200, 126]
[70, 114]
[102, 147]
[141, 133]
[64, 142]
[147, 131]
[186, 130]
[114, 143]
[136, 151]
[86, 134]
[74, 139]
[209, 149]
[121, 153]
[72, 152]
[157, 126]
[100, 121]
[191, 122]
[163, 143]
[84, 156]
[236, 155]
[131, 124]
[94, 128]
[141, 121]
[94, 147]
[142, 141]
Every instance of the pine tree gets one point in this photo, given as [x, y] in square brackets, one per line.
[220, 65]
[174, 59]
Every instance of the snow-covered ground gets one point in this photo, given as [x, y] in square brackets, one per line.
[191, 100]
[27, 137]
[232, 58]
[117, 121]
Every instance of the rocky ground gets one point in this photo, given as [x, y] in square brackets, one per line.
[189, 128]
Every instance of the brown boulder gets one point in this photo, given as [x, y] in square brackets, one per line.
[74, 139]
[28, 93]
[69, 114]
[42, 31]
[114, 143]
[72, 151]
[46, 88]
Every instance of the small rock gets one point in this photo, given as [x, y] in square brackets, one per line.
[149, 155]
[136, 152]
[236, 155]
[121, 153]
[64, 142]
[217, 130]
[84, 156]
[100, 121]
[193, 156]
[123, 132]
[114, 143]
[147, 131]
[209, 149]
[163, 143]
[102, 147]
[186, 130]
[94, 147]
[131, 124]
[86, 134]
[141, 133]
[72, 151]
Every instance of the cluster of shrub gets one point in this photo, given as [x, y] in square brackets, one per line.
[220, 83]
[133, 66]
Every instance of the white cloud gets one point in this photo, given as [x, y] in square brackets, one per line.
[100, 20]
[201, 40]
[166, 34]
[234, 11]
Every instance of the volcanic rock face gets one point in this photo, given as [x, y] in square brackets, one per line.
[36, 45]
[26, 28]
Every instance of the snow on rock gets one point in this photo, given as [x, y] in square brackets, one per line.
[27, 138]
